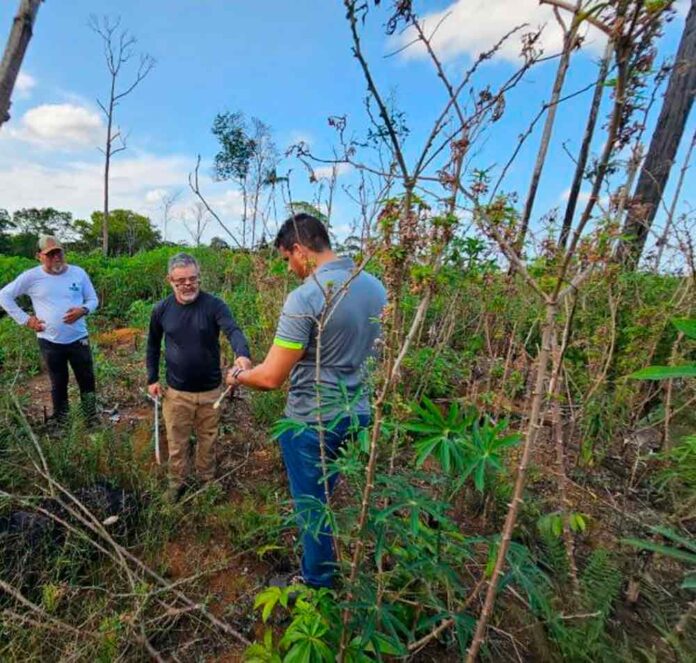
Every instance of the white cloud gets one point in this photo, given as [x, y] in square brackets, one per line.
[24, 85]
[77, 186]
[471, 27]
[227, 204]
[137, 183]
[155, 196]
[59, 126]
[326, 172]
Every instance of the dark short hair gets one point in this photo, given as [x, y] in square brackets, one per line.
[303, 229]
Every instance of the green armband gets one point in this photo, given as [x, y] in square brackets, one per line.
[288, 345]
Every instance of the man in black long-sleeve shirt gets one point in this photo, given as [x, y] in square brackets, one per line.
[190, 322]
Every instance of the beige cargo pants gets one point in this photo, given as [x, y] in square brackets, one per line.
[184, 413]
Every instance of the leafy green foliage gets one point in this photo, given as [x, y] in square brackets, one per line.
[680, 471]
[139, 313]
[681, 548]
[314, 631]
[462, 445]
[441, 436]
[665, 372]
[688, 328]
[19, 234]
[418, 530]
[129, 232]
[582, 639]
[19, 351]
[552, 523]
[236, 146]
[437, 372]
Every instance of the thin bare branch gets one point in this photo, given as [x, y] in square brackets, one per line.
[193, 183]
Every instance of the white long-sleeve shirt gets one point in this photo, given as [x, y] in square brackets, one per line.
[52, 295]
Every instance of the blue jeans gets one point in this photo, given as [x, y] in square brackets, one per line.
[302, 458]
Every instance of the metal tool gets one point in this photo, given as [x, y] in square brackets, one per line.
[157, 444]
[156, 401]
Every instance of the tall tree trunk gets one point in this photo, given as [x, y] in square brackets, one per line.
[568, 45]
[17, 44]
[107, 166]
[585, 147]
[673, 207]
[663, 146]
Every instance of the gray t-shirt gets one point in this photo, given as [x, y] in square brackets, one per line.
[351, 328]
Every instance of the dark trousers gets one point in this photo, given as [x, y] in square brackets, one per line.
[57, 357]
[302, 457]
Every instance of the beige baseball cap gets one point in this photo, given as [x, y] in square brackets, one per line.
[48, 243]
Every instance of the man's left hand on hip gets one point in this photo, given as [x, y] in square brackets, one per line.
[74, 314]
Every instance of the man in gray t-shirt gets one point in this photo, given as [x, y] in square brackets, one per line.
[331, 321]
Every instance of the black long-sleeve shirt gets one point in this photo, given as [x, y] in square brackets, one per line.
[191, 341]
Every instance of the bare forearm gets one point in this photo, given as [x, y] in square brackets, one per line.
[260, 378]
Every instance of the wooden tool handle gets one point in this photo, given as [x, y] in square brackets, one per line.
[217, 403]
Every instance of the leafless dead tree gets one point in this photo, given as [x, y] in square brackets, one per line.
[119, 50]
[199, 221]
[196, 189]
[167, 202]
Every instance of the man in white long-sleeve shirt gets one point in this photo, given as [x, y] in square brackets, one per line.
[62, 295]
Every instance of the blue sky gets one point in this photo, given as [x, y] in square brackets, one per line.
[289, 64]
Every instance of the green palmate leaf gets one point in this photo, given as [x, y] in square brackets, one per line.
[299, 653]
[386, 645]
[492, 556]
[507, 441]
[393, 620]
[355, 654]
[364, 440]
[479, 476]
[425, 448]
[577, 522]
[665, 372]
[284, 425]
[418, 427]
[453, 414]
[268, 598]
[686, 326]
[432, 410]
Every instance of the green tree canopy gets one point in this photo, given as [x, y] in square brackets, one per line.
[236, 147]
[129, 232]
[20, 232]
[44, 221]
[218, 243]
[5, 225]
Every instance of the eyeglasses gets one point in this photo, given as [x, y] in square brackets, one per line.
[180, 283]
[54, 254]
